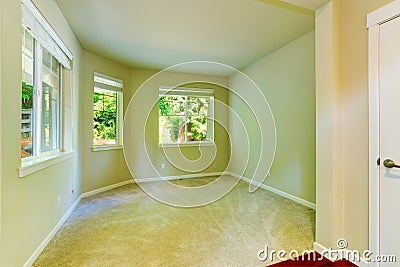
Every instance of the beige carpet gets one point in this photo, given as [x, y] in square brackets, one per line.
[125, 227]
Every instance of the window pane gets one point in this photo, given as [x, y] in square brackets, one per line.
[104, 117]
[198, 106]
[172, 105]
[197, 129]
[171, 129]
[50, 103]
[55, 66]
[29, 42]
[27, 69]
[46, 59]
[176, 112]
[27, 95]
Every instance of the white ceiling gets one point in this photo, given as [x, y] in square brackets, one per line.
[156, 33]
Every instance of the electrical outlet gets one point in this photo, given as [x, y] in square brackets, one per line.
[59, 200]
[163, 166]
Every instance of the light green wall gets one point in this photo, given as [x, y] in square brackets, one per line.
[138, 77]
[101, 168]
[29, 205]
[104, 168]
[287, 79]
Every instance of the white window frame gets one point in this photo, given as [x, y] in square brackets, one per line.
[37, 116]
[114, 85]
[190, 92]
[45, 37]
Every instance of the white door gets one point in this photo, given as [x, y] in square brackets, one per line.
[389, 105]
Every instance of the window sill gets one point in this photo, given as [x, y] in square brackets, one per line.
[187, 144]
[106, 148]
[34, 165]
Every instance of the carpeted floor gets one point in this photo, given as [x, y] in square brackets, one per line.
[125, 227]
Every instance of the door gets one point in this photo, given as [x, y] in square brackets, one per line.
[389, 138]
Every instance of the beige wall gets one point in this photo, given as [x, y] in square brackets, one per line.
[100, 168]
[138, 77]
[29, 205]
[329, 128]
[1, 119]
[287, 79]
[342, 122]
[103, 168]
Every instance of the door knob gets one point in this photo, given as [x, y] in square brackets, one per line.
[388, 163]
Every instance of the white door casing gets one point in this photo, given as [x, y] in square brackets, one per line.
[384, 130]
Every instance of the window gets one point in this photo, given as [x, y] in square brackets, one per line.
[43, 61]
[186, 115]
[107, 110]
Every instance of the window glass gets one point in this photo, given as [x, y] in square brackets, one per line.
[27, 94]
[50, 105]
[184, 119]
[107, 110]
[40, 124]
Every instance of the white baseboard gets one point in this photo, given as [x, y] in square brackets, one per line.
[362, 263]
[276, 191]
[39, 250]
[48, 238]
[178, 177]
[106, 188]
[321, 249]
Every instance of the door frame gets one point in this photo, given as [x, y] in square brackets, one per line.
[374, 21]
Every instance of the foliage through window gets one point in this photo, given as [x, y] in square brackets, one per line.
[45, 73]
[41, 86]
[185, 116]
[107, 101]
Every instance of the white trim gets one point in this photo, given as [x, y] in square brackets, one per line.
[361, 263]
[322, 250]
[106, 148]
[48, 238]
[178, 177]
[373, 69]
[384, 14]
[194, 143]
[114, 84]
[38, 163]
[118, 89]
[276, 191]
[170, 90]
[43, 22]
[106, 188]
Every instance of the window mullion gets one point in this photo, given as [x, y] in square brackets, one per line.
[37, 110]
[210, 119]
[186, 118]
[60, 111]
[120, 115]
